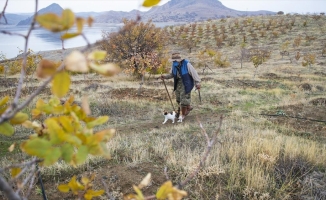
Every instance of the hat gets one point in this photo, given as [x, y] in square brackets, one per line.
[176, 57]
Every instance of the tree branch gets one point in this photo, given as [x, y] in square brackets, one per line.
[108, 194]
[166, 173]
[28, 163]
[3, 12]
[23, 70]
[27, 179]
[30, 188]
[210, 144]
[7, 190]
[10, 33]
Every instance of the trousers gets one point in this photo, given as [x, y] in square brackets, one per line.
[181, 97]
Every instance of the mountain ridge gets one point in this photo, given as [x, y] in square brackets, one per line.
[54, 8]
[172, 11]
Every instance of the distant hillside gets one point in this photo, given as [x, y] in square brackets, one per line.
[116, 16]
[172, 11]
[12, 19]
[194, 10]
[53, 8]
[180, 11]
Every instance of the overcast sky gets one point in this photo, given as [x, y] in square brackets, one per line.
[297, 6]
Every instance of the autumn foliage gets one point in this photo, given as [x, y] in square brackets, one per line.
[137, 47]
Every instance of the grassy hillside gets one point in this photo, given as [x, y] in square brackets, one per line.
[272, 141]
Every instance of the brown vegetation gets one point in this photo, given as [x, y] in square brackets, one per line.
[272, 141]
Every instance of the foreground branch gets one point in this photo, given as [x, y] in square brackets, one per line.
[5, 186]
[23, 70]
[3, 12]
[7, 190]
[210, 144]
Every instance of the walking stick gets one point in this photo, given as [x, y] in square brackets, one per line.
[168, 93]
[199, 96]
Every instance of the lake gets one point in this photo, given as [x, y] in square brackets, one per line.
[43, 40]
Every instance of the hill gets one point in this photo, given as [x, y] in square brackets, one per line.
[173, 11]
[53, 8]
[13, 19]
[195, 10]
[180, 11]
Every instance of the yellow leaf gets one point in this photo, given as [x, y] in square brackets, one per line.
[6, 129]
[177, 194]
[42, 149]
[67, 19]
[85, 180]
[164, 190]
[19, 118]
[67, 151]
[51, 155]
[85, 105]
[69, 35]
[67, 123]
[4, 100]
[97, 55]
[90, 21]
[50, 21]
[15, 171]
[81, 155]
[74, 185]
[46, 68]
[76, 62]
[140, 195]
[109, 69]
[12, 147]
[98, 121]
[39, 103]
[104, 135]
[34, 125]
[61, 84]
[150, 3]
[36, 113]
[63, 188]
[145, 182]
[80, 23]
[93, 193]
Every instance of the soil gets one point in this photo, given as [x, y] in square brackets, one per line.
[236, 83]
[308, 120]
[121, 177]
[145, 94]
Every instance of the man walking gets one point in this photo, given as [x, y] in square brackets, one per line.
[185, 78]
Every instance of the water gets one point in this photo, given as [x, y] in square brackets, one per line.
[43, 40]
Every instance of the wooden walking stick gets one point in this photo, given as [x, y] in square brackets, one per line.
[167, 92]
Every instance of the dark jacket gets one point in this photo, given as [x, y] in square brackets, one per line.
[187, 80]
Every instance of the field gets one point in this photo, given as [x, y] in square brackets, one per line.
[272, 141]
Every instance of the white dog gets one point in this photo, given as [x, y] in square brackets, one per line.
[168, 116]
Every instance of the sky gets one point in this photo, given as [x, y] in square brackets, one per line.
[287, 6]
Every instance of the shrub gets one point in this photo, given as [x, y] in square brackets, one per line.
[135, 47]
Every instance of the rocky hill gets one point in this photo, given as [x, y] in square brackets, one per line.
[53, 8]
[181, 11]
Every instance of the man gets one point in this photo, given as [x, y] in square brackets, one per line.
[185, 78]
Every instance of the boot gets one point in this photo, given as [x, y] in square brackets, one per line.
[178, 113]
[189, 108]
[183, 111]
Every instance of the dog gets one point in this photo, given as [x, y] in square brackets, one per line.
[169, 115]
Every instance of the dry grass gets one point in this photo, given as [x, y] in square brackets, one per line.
[256, 158]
